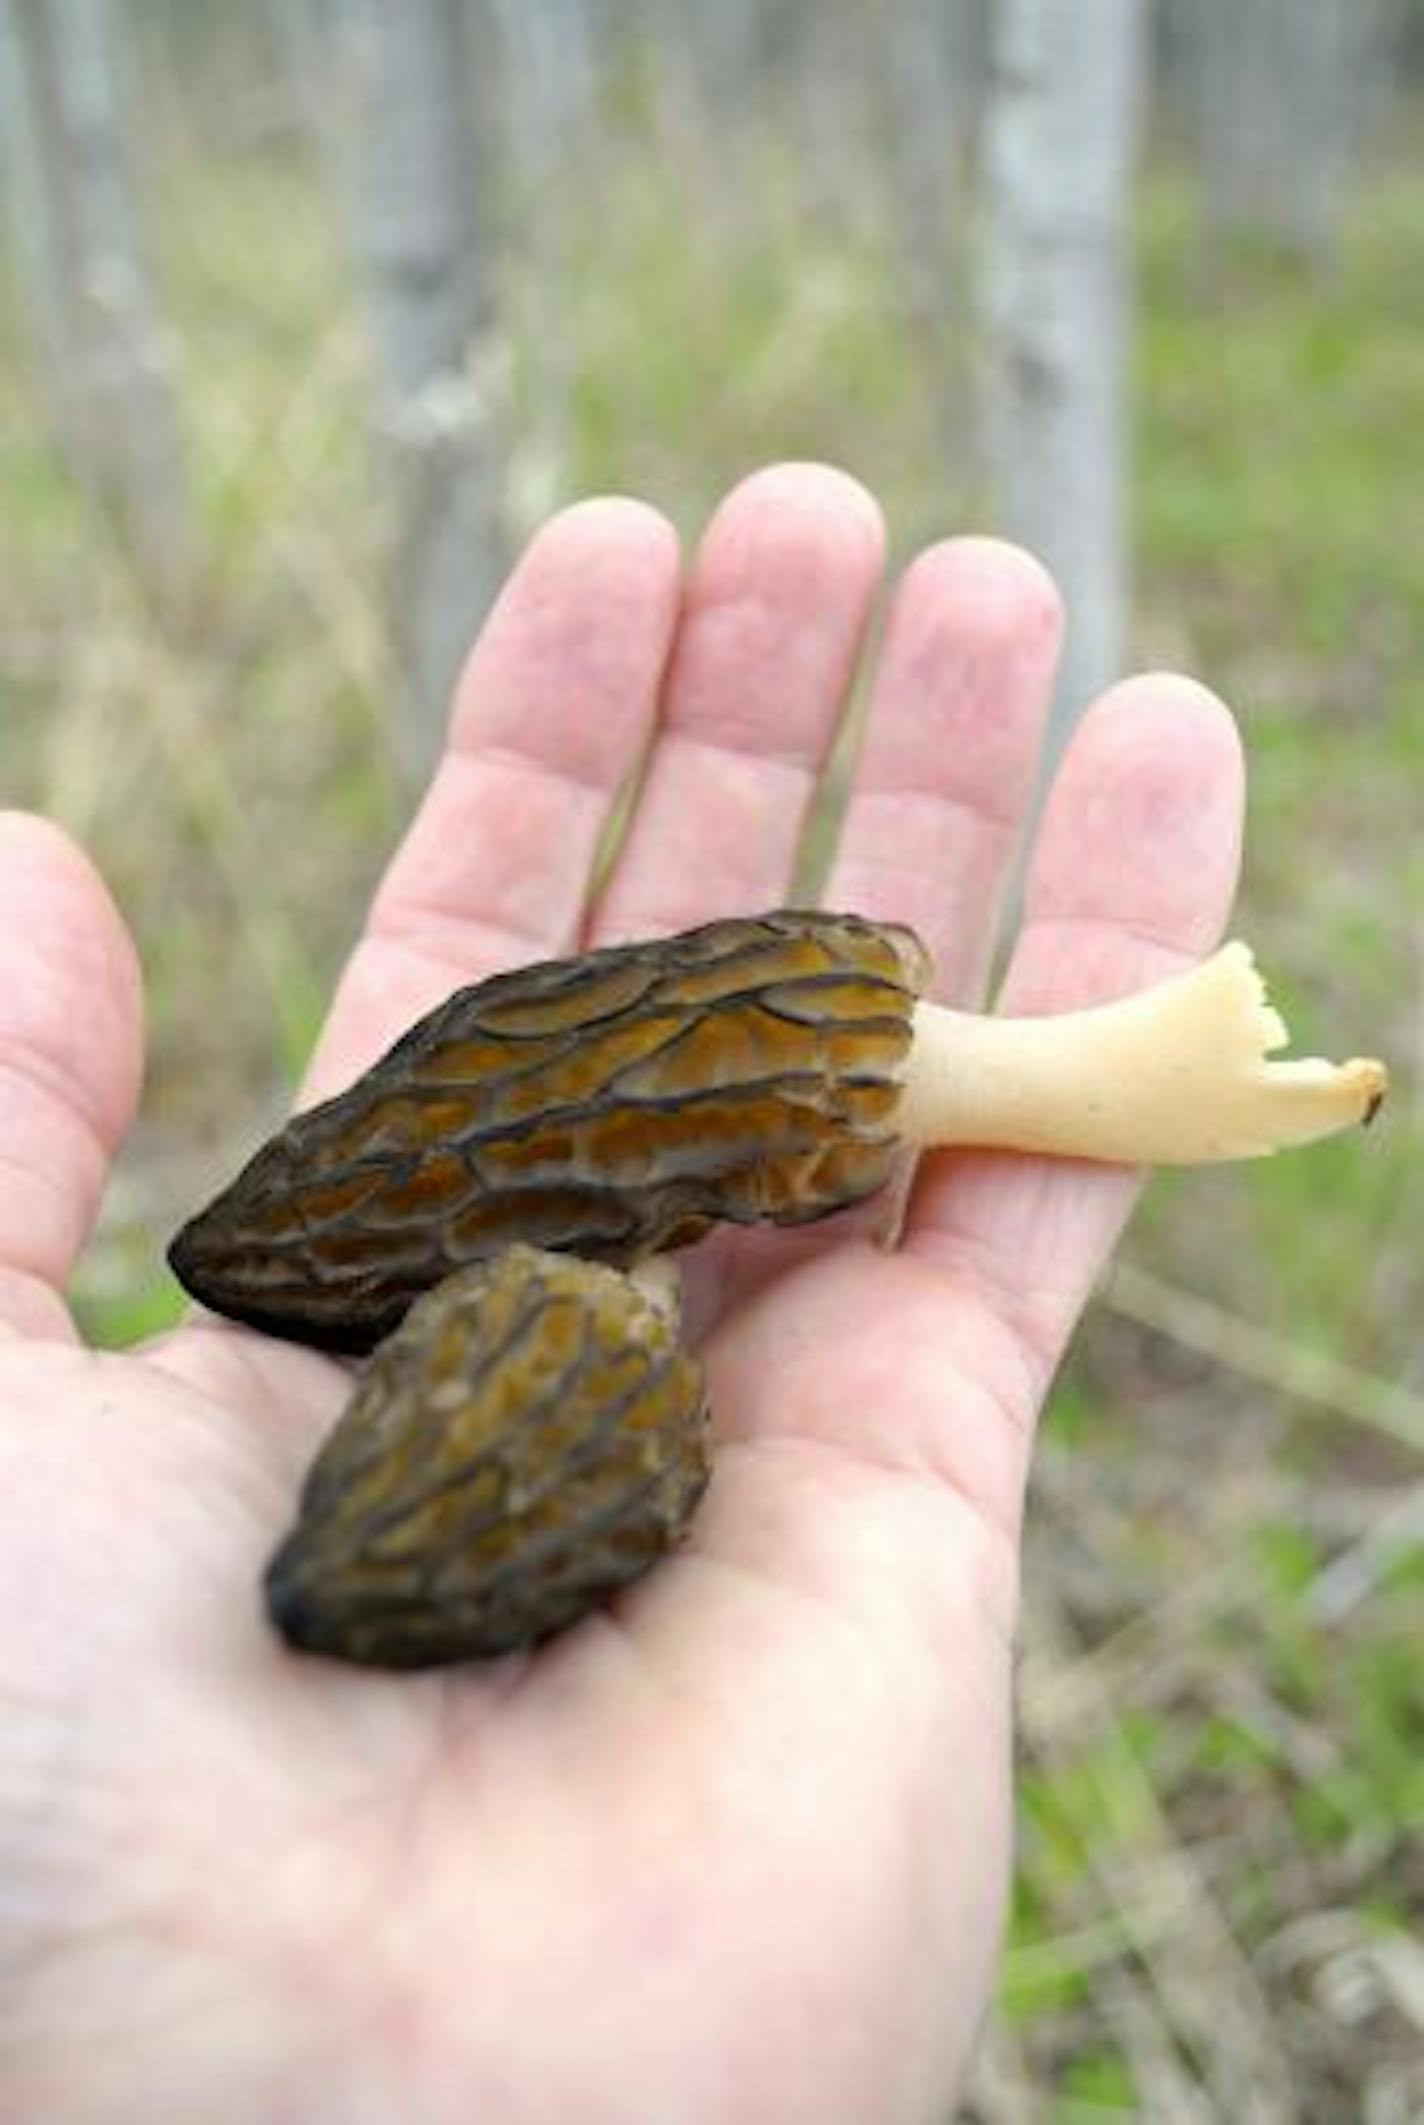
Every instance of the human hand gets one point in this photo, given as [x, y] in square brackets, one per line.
[737, 1849]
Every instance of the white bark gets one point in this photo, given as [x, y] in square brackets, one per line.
[1059, 137]
[833, 67]
[549, 80]
[923, 46]
[699, 64]
[302, 32]
[551, 72]
[726, 39]
[1279, 90]
[420, 191]
[104, 361]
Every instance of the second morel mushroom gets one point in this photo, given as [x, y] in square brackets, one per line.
[529, 1440]
[770, 1069]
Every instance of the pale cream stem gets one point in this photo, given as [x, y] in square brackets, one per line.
[1174, 1075]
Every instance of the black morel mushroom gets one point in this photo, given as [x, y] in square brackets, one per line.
[759, 1070]
[528, 1441]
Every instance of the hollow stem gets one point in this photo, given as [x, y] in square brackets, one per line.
[1174, 1075]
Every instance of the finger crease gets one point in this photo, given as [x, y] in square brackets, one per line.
[38, 1074]
[1129, 929]
[957, 803]
[475, 949]
[588, 785]
[803, 764]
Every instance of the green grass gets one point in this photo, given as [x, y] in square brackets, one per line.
[1190, 1714]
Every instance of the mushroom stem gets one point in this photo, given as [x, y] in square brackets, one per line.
[1174, 1075]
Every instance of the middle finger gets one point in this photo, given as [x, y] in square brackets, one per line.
[773, 618]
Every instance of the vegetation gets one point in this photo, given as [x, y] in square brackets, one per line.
[1223, 1726]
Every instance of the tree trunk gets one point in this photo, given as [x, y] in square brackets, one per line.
[730, 42]
[103, 357]
[1278, 93]
[421, 199]
[832, 66]
[1058, 143]
[549, 81]
[923, 53]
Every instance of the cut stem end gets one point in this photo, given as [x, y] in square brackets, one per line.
[1174, 1075]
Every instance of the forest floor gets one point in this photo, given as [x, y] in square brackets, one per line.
[1218, 1907]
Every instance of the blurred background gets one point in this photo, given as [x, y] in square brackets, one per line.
[310, 309]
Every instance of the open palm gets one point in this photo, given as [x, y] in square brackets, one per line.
[737, 1849]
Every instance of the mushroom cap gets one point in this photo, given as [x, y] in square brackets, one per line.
[611, 1106]
[528, 1440]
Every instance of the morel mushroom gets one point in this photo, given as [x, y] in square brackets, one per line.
[759, 1070]
[529, 1440]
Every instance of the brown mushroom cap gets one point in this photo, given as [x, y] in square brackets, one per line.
[529, 1440]
[609, 1106]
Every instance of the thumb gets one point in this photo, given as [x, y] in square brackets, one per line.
[70, 1062]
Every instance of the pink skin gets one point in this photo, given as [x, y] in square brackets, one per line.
[738, 1850]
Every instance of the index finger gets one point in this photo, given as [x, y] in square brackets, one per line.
[70, 1061]
[552, 712]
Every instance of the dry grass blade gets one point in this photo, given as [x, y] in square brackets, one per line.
[1003, 2089]
[1212, 2012]
[1143, 1657]
[1131, 2011]
[333, 591]
[182, 726]
[1257, 1354]
[1352, 1575]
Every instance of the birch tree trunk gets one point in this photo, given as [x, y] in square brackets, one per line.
[103, 364]
[701, 63]
[1058, 147]
[729, 38]
[834, 119]
[420, 191]
[1278, 90]
[550, 79]
[301, 32]
[923, 46]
